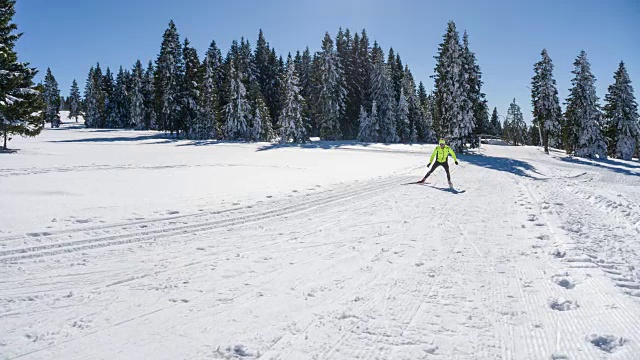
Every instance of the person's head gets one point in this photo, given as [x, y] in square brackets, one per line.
[442, 143]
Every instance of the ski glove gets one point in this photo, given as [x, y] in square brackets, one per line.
[456, 163]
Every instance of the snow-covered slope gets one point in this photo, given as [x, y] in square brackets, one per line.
[129, 245]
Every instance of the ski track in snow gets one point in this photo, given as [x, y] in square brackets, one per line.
[543, 266]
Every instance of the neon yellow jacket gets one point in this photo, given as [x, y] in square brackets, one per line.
[443, 154]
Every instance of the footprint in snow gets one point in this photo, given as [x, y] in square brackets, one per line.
[607, 343]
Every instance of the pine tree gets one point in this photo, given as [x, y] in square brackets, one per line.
[496, 127]
[583, 132]
[476, 96]
[453, 109]
[363, 65]
[332, 93]
[544, 99]
[148, 94]
[266, 67]
[118, 106]
[621, 113]
[369, 127]
[402, 118]
[51, 97]
[91, 112]
[238, 110]
[381, 88]
[261, 127]
[350, 112]
[75, 101]
[190, 93]
[136, 97]
[291, 122]
[20, 99]
[168, 79]
[515, 125]
[210, 93]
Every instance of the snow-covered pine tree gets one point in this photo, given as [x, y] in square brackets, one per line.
[363, 66]
[266, 68]
[118, 107]
[453, 109]
[168, 77]
[148, 94]
[51, 97]
[369, 126]
[210, 92]
[19, 98]
[402, 118]
[344, 44]
[75, 101]
[421, 98]
[136, 97]
[517, 128]
[476, 96]
[190, 94]
[261, 125]
[381, 88]
[90, 105]
[291, 122]
[332, 93]
[621, 113]
[496, 126]
[409, 87]
[583, 118]
[238, 110]
[544, 99]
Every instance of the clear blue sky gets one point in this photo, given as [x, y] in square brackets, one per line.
[507, 36]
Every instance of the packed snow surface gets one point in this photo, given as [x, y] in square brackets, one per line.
[132, 245]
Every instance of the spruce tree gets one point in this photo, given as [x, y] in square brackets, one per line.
[350, 112]
[266, 68]
[516, 127]
[496, 127]
[91, 111]
[210, 93]
[190, 110]
[51, 97]
[621, 114]
[75, 101]
[238, 110]
[402, 118]
[544, 99]
[148, 95]
[381, 87]
[453, 109]
[583, 129]
[168, 78]
[136, 97]
[331, 93]
[369, 127]
[291, 122]
[118, 106]
[20, 99]
[480, 121]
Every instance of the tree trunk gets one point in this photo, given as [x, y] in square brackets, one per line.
[5, 140]
[546, 142]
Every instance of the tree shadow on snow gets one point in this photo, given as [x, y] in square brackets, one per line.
[605, 164]
[516, 167]
[8, 151]
[350, 145]
[162, 137]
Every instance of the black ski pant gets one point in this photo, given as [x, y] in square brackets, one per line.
[445, 165]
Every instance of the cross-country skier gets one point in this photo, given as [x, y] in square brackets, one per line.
[441, 154]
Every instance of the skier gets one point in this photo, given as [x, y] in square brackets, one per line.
[441, 154]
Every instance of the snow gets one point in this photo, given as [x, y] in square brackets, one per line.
[125, 245]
